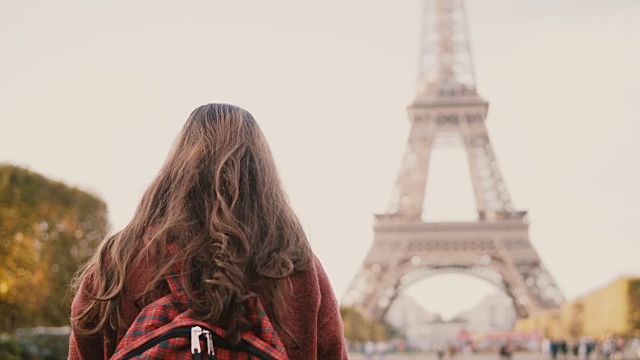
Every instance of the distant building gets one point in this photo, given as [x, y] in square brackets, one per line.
[405, 313]
[611, 310]
[441, 333]
[424, 331]
[435, 334]
[494, 313]
[427, 331]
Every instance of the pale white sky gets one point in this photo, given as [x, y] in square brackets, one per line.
[93, 93]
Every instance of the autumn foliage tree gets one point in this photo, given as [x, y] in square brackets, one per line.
[47, 230]
[358, 328]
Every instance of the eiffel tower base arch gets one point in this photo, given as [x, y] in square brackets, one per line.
[499, 252]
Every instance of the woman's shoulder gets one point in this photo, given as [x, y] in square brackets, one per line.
[313, 284]
[314, 275]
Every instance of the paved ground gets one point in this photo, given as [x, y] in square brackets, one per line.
[359, 356]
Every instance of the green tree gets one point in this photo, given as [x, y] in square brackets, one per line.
[47, 230]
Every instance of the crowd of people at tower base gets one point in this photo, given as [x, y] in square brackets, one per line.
[450, 351]
[607, 348]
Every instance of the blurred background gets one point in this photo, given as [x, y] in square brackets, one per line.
[92, 95]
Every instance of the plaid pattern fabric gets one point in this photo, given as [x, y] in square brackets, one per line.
[170, 313]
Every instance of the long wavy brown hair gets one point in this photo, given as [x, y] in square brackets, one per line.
[218, 199]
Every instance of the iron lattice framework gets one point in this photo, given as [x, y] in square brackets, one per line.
[496, 247]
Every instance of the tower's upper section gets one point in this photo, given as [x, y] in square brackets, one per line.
[445, 65]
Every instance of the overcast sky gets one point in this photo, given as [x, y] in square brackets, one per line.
[93, 93]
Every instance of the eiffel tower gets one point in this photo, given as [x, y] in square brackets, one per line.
[496, 246]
